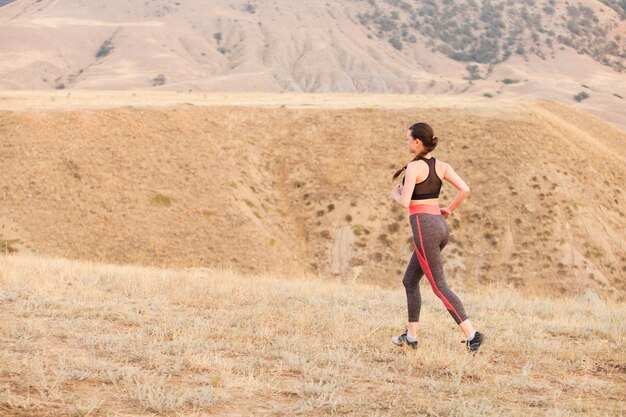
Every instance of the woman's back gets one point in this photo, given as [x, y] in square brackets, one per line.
[429, 180]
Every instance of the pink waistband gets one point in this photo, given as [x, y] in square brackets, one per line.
[424, 208]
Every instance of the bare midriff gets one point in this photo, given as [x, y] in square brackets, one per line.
[429, 201]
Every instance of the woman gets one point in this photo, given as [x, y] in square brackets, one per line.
[420, 195]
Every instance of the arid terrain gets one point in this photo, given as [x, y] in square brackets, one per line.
[196, 219]
[89, 339]
[294, 183]
[525, 49]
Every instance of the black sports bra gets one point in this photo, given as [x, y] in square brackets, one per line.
[430, 187]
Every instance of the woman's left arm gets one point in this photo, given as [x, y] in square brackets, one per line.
[402, 195]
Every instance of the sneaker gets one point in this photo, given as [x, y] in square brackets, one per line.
[474, 344]
[401, 340]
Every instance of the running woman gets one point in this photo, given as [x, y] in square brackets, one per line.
[420, 195]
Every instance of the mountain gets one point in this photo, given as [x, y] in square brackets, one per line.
[296, 183]
[499, 49]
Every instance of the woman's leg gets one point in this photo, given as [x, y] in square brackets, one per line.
[411, 281]
[428, 235]
[466, 326]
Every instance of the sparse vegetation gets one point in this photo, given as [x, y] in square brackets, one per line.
[488, 95]
[249, 8]
[5, 247]
[581, 96]
[73, 168]
[509, 81]
[159, 199]
[486, 32]
[396, 43]
[158, 80]
[618, 5]
[218, 37]
[474, 72]
[97, 339]
[105, 49]
[187, 149]
[359, 229]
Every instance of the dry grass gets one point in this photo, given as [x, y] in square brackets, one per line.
[288, 182]
[82, 339]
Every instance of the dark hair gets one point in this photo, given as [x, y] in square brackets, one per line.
[423, 132]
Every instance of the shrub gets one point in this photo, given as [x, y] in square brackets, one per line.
[581, 96]
[158, 80]
[473, 71]
[161, 200]
[5, 247]
[396, 43]
[105, 48]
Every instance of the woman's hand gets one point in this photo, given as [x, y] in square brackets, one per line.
[445, 212]
[396, 191]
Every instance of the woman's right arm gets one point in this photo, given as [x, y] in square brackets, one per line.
[453, 178]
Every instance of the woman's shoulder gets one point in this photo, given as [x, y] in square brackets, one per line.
[441, 167]
[443, 163]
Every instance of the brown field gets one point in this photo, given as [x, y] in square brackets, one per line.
[228, 254]
[86, 339]
[292, 183]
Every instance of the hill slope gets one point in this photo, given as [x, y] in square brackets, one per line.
[101, 340]
[263, 186]
[527, 49]
[340, 46]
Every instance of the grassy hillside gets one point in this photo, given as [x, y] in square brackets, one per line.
[98, 339]
[305, 188]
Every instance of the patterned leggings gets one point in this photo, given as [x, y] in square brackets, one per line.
[430, 236]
